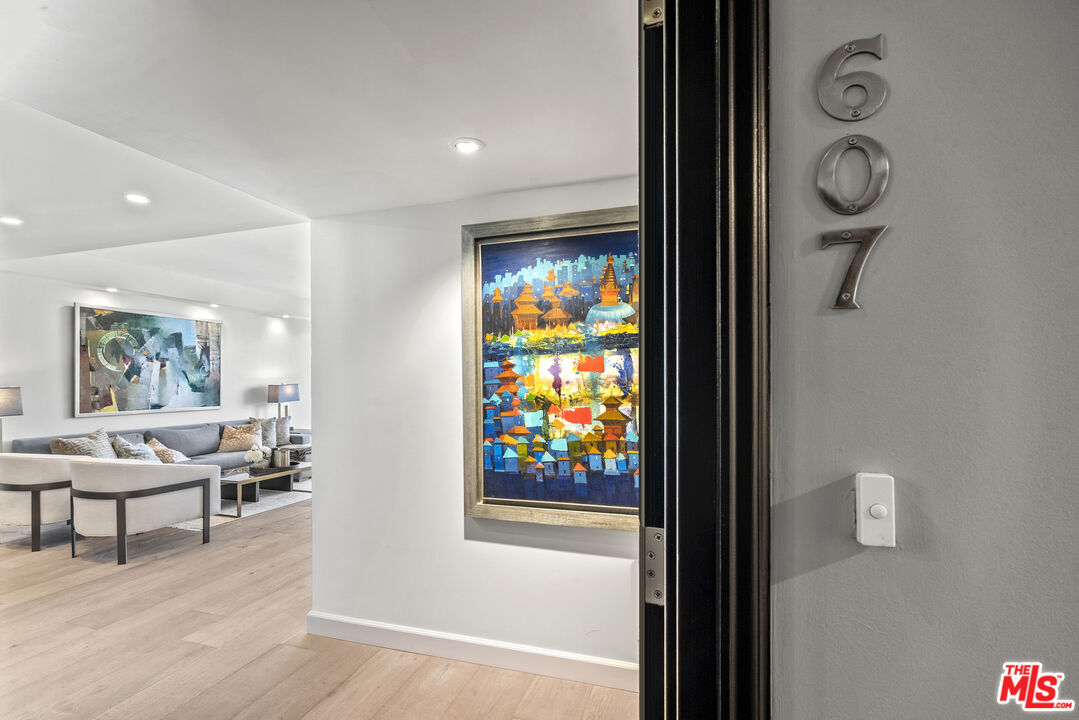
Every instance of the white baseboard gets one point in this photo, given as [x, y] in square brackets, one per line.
[525, 658]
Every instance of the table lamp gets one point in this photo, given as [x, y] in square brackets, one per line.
[10, 404]
[283, 393]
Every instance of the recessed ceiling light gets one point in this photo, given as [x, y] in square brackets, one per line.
[467, 145]
[286, 316]
[8, 220]
[137, 199]
[111, 290]
[214, 305]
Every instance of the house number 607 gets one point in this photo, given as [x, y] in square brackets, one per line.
[831, 90]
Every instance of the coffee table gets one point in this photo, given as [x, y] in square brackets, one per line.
[241, 479]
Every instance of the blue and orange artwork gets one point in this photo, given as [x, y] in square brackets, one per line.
[561, 394]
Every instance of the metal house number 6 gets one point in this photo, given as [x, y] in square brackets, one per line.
[831, 86]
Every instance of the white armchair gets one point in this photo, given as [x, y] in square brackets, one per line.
[120, 498]
[34, 492]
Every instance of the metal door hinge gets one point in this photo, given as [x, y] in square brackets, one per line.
[655, 563]
[652, 12]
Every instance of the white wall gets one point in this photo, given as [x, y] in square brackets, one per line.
[37, 353]
[959, 376]
[391, 543]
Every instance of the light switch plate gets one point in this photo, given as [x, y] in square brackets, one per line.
[874, 500]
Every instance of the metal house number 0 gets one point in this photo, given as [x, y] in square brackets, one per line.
[879, 169]
[831, 88]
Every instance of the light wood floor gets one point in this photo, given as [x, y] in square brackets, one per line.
[217, 631]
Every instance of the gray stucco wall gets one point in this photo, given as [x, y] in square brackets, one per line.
[960, 377]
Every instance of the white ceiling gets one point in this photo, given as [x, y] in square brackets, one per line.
[68, 184]
[333, 106]
[238, 117]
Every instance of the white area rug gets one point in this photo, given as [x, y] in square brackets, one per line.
[268, 500]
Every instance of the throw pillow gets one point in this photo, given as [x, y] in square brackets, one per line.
[164, 454]
[240, 439]
[96, 444]
[136, 438]
[284, 431]
[269, 431]
[134, 451]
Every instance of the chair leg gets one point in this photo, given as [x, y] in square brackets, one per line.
[206, 512]
[35, 520]
[71, 522]
[121, 531]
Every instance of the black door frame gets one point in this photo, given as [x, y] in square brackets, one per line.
[704, 175]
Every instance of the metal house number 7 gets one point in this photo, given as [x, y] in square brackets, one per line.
[867, 238]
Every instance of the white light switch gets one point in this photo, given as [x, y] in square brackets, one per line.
[874, 498]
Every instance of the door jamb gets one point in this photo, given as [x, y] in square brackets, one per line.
[722, 45]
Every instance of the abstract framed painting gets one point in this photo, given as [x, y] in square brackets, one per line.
[551, 309]
[129, 362]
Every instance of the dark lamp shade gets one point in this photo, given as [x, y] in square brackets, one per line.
[282, 393]
[10, 401]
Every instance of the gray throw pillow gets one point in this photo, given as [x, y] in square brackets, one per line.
[134, 451]
[96, 444]
[284, 431]
[269, 430]
[132, 437]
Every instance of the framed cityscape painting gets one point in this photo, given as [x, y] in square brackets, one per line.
[552, 369]
[135, 362]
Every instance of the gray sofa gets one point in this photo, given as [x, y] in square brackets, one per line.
[198, 442]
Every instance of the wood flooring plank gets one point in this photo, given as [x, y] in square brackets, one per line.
[361, 695]
[230, 695]
[57, 636]
[295, 594]
[301, 691]
[211, 576]
[248, 587]
[50, 584]
[554, 698]
[91, 659]
[192, 678]
[610, 704]
[129, 672]
[36, 567]
[493, 694]
[430, 691]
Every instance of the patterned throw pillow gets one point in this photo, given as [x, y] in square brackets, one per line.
[284, 431]
[96, 444]
[269, 430]
[134, 451]
[240, 439]
[164, 454]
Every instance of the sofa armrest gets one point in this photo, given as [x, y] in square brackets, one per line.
[300, 438]
[125, 476]
[121, 475]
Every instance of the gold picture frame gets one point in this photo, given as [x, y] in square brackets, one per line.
[555, 506]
